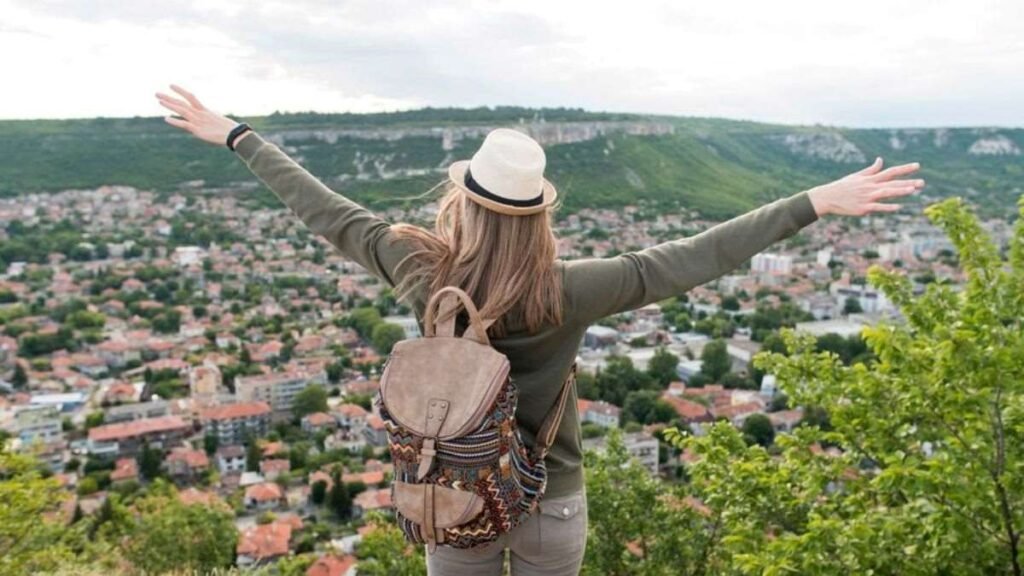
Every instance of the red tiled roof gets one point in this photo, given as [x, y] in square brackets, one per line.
[263, 492]
[276, 465]
[233, 411]
[319, 419]
[368, 478]
[191, 496]
[265, 541]
[331, 565]
[125, 469]
[688, 410]
[192, 458]
[124, 430]
[351, 410]
[373, 499]
[737, 409]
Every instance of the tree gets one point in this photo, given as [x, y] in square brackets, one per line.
[31, 537]
[312, 398]
[253, 455]
[150, 460]
[318, 492]
[631, 511]
[645, 407]
[758, 429]
[383, 551]
[927, 472]
[662, 366]
[338, 498]
[171, 536]
[20, 378]
[618, 378]
[852, 306]
[363, 320]
[715, 360]
[385, 335]
[210, 444]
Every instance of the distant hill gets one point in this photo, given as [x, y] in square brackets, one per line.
[718, 167]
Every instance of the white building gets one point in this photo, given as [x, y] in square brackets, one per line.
[769, 263]
[640, 445]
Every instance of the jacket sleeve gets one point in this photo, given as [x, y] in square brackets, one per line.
[599, 287]
[357, 233]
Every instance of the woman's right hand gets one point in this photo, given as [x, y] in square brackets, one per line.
[197, 119]
[861, 193]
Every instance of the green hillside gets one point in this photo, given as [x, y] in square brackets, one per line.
[719, 167]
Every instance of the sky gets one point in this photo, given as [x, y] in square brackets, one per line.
[912, 63]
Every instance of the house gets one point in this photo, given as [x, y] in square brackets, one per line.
[375, 432]
[317, 421]
[642, 446]
[738, 413]
[125, 470]
[264, 496]
[351, 442]
[235, 423]
[368, 478]
[688, 410]
[273, 468]
[192, 496]
[351, 416]
[598, 412]
[263, 544]
[126, 438]
[786, 420]
[231, 459]
[371, 499]
[332, 565]
[184, 462]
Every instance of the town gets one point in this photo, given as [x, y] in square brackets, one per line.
[216, 344]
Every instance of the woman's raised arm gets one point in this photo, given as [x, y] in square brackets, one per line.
[600, 287]
[356, 232]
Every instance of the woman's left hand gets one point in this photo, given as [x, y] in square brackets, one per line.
[862, 192]
[196, 119]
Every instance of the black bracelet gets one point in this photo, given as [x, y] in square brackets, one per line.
[235, 133]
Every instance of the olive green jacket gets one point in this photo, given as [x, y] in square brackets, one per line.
[593, 287]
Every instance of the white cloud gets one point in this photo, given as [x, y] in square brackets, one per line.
[915, 62]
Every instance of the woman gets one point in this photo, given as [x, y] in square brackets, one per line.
[493, 238]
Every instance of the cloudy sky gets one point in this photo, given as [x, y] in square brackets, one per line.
[865, 63]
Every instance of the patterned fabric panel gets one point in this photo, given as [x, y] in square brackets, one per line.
[491, 461]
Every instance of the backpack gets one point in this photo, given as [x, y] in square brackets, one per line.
[463, 476]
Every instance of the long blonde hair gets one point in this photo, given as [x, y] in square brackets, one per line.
[504, 262]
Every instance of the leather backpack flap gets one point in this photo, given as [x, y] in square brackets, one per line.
[460, 374]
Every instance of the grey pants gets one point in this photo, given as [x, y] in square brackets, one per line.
[549, 543]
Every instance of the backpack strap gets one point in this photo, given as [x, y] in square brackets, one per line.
[452, 296]
[549, 426]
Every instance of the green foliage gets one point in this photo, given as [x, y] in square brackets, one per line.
[384, 336]
[628, 508]
[168, 535]
[927, 475]
[30, 539]
[363, 320]
[384, 552]
[662, 366]
[318, 492]
[715, 360]
[758, 429]
[338, 498]
[312, 398]
[618, 378]
[645, 407]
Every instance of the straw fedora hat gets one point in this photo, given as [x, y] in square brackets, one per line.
[506, 174]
